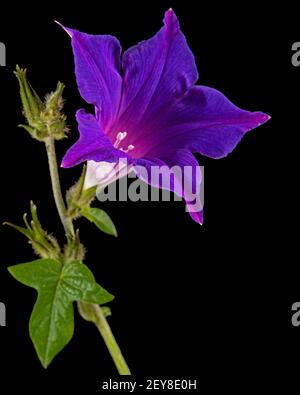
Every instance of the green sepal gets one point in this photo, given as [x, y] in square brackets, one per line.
[44, 118]
[74, 250]
[31, 101]
[32, 106]
[78, 198]
[52, 115]
[44, 245]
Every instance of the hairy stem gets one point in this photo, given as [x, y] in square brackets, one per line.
[59, 201]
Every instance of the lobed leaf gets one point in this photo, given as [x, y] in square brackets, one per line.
[51, 324]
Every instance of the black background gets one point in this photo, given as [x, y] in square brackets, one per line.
[212, 302]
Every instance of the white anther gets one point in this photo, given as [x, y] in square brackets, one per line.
[129, 148]
[120, 137]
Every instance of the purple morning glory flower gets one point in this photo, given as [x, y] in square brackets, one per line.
[148, 109]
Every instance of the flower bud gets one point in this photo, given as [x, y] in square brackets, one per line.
[52, 115]
[44, 119]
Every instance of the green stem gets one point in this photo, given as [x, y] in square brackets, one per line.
[98, 317]
[110, 341]
[59, 201]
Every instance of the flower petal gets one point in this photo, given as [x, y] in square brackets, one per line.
[204, 121]
[93, 144]
[178, 172]
[104, 173]
[156, 71]
[97, 68]
[189, 181]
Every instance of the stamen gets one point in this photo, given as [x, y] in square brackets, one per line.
[129, 148]
[120, 137]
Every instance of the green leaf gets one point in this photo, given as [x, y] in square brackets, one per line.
[101, 220]
[51, 324]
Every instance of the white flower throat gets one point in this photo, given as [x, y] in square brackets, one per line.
[120, 137]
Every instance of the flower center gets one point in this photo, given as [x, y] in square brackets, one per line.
[120, 137]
